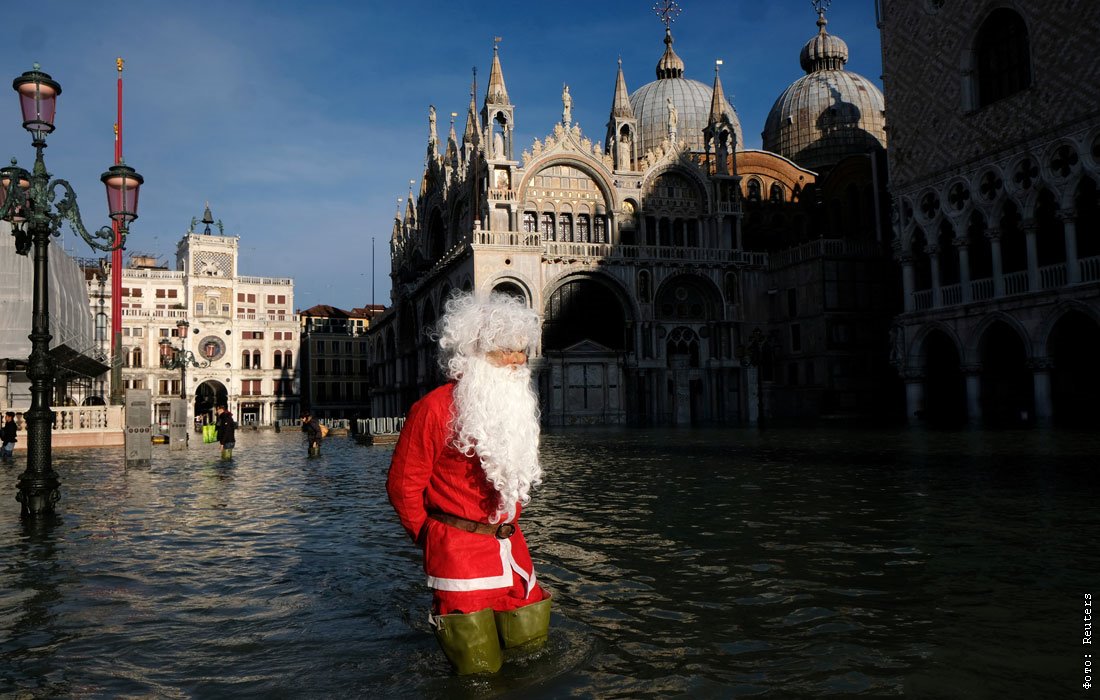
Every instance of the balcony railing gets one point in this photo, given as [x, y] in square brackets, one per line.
[282, 281]
[155, 313]
[981, 290]
[922, 300]
[1052, 276]
[1016, 283]
[1090, 269]
[951, 294]
[609, 251]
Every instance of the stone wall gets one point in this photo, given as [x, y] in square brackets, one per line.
[927, 45]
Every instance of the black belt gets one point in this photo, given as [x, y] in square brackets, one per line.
[502, 531]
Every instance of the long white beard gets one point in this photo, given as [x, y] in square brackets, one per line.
[497, 418]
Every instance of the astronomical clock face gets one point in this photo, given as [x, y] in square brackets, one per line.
[212, 348]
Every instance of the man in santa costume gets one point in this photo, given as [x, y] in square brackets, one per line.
[461, 472]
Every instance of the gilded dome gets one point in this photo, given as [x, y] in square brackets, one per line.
[690, 98]
[827, 114]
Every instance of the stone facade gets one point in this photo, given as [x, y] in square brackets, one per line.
[334, 361]
[243, 326]
[994, 124]
[680, 278]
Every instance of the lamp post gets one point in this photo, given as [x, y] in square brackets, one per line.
[179, 358]
[25, 203]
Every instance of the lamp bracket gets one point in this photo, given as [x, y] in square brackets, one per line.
[103, 239]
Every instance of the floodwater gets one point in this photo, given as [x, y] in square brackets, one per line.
[685, 563]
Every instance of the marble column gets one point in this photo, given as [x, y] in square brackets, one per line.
[1044, 405]
[994, 237]
[933, 251]
[908, 280]
[914, 394]
[962, 243]
[973, 374]
[1031, 231]
[1069, 229]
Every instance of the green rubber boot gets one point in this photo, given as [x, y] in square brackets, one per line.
[525, 628]
[227, 455]
[469, 641]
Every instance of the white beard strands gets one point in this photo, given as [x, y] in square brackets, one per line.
[497, 418]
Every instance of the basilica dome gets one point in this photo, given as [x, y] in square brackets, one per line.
[690, 98]
[827, 114]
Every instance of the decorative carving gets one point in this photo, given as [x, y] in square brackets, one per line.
[1064, 161]
[1026, 173]
[958, 196]
[1040, 364]
[990, 185]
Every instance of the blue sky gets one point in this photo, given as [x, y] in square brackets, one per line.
[303, 122]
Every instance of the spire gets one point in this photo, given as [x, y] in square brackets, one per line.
[670, 65]
[207, 218]
[620, 104]
[496, 92]
[824, 51]
[473, 123]
[452, 140]
[410, 210]
[397, 221]
[718, 98]
[433, 137]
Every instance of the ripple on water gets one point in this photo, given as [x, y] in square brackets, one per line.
[700, 563]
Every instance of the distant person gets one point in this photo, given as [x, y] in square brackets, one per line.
[462, 470]
[7, 434]
[226, 430]
[312, 429]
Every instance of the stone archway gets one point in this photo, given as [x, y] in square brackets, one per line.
[1007, 384]
[685, 308]
[1075, 374]
[945, 388]
[586, 337]
[208, 395]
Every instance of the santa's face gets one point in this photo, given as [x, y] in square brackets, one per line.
[497, 419]
[506, 358]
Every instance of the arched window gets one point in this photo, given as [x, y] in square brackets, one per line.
[1003, 56]
[529, 222]
[776, 194]
[583, 228]
[278, 360]
[601, 229]
[547, 228]
[136, 362]
[246, 359]
[288, 359]
[565, 227]
[754, 190]
[101, 326]
[255, 359]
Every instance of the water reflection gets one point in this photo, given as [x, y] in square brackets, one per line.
[702, 563]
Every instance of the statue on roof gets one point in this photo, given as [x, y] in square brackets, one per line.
[567, 105]
[673, 118]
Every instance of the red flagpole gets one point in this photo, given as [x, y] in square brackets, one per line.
[116, 271]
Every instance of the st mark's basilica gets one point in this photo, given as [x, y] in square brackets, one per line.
[680, 277]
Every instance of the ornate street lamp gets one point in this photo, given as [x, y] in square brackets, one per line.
[179, 358]
[25, 203]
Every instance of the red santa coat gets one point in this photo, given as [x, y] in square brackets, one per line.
[428, 474]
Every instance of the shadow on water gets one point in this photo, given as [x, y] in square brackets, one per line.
[684, 563]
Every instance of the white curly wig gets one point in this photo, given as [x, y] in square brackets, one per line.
[473, 325]
[496, 408]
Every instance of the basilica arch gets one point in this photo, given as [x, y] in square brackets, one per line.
[587, 346]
